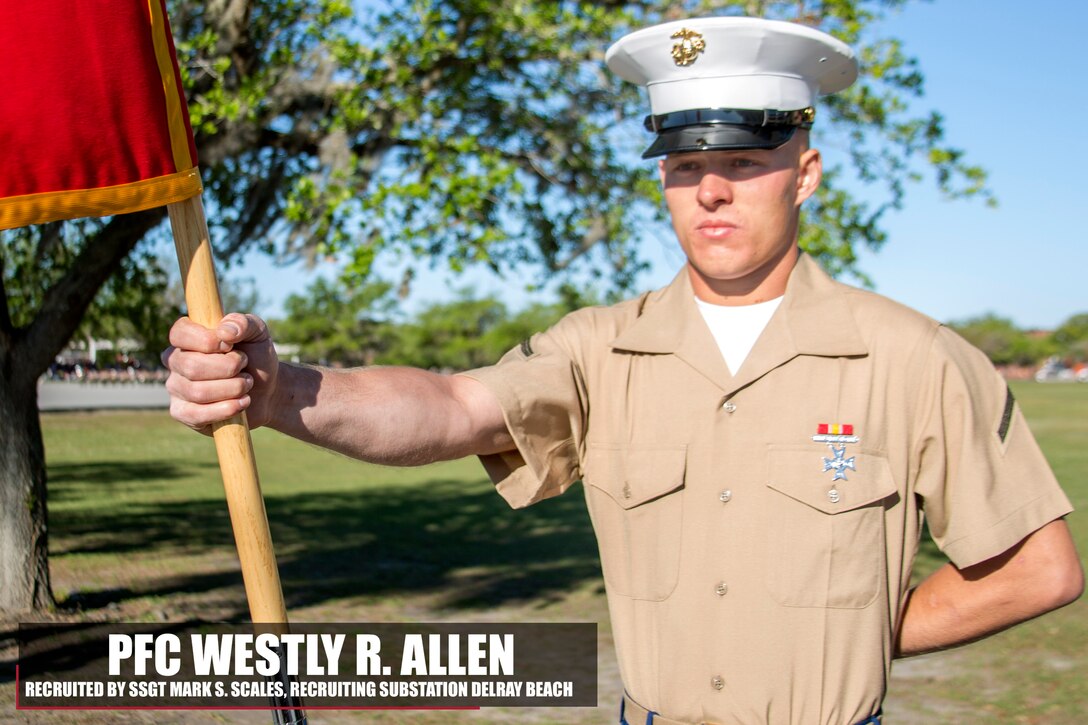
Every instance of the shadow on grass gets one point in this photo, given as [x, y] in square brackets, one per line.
[440, 536]
[67, 480]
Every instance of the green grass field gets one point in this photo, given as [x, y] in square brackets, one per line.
[139, 532]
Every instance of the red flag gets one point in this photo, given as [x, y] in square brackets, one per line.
[93, 119]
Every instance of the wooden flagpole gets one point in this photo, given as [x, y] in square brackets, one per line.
[232, 441]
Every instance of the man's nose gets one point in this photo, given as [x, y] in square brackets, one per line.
[714, 190]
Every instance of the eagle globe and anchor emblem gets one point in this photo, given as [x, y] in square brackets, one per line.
[691, 44]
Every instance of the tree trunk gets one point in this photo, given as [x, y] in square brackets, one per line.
[25, 353]
[24, 551]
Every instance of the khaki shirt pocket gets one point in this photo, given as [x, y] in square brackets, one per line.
[634, 495]
[826, 549]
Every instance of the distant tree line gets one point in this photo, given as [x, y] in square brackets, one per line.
[1008, 345]
[332, 325]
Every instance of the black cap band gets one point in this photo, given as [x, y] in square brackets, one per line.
[732, 116]
[710, 129]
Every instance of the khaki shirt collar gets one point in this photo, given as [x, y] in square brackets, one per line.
[813, 319]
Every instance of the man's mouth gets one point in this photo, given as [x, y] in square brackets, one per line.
[716, 229]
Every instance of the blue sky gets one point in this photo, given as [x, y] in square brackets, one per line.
[1009, 79]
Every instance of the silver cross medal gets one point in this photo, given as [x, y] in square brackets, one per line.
[838, 463]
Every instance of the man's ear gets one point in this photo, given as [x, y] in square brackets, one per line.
[810, 171]
[661, 171]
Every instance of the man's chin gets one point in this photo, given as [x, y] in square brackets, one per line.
[739, 276]
[724, 272]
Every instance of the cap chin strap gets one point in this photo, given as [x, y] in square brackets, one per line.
[802, 118]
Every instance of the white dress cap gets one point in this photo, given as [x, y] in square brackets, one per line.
[730, 83]
[733, 62]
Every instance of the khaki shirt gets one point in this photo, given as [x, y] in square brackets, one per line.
[745, 584]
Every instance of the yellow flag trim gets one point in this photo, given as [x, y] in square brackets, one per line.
[179, 136]
[19, 211]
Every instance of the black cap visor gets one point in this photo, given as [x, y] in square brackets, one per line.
[718, 137]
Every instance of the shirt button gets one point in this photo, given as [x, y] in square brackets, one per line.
[721, 589]
[729, 406]
[725, 496]
[717, 682]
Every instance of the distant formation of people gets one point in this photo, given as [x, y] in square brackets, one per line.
[124, 369]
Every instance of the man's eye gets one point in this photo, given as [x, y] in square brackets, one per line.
[743, 163]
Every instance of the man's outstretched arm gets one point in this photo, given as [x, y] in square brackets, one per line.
[395, 416]
[956, 606]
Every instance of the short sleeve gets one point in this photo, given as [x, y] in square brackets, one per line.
[542, 395]
[984, 482]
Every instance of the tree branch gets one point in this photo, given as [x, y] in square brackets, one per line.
[256, 217]
[66, 301]
[597, 232]
[50, 235]
[5, 314]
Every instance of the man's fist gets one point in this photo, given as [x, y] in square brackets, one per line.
[216, 374]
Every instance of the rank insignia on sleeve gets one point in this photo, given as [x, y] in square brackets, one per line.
[839, 463]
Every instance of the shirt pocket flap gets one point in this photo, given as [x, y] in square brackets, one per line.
[635, 475]
[807, 476]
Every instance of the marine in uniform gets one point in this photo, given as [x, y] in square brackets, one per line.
[756, 467]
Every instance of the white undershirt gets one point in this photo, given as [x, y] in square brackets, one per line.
[736, 329]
